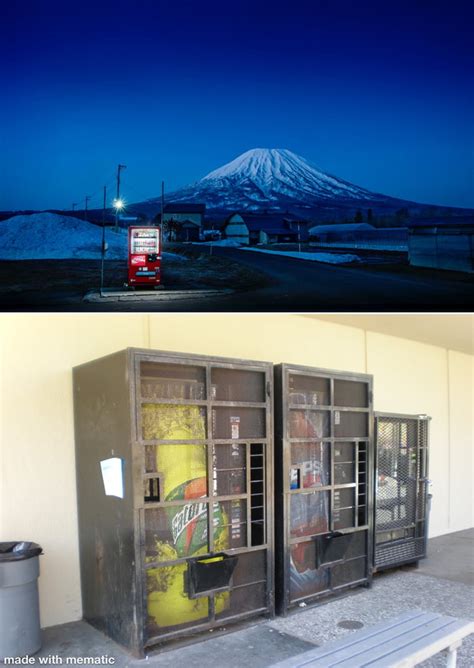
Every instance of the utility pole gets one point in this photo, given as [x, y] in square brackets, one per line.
[299, 238]
[162, 201]
[211, 239]
[117, 199]
[103, 243]
[87, 198]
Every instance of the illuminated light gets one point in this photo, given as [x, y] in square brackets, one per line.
[119, 204]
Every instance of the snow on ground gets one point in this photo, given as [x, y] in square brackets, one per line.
[175, 256]
[229, 243]
[51, 236]
[330, 258]
[367, 245]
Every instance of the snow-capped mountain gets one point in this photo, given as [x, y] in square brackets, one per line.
[272, 179]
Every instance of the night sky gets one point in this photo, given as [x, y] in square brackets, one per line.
[378, 93]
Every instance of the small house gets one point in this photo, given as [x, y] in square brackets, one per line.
[187, 230]
[183, 221]
[275, 228]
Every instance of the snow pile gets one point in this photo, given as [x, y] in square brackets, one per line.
[228, 243]
[50, 236]
[330, 258]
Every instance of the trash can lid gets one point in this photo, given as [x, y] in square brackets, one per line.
[16, 550]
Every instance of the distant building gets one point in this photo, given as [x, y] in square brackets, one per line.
[211, 234]
[188, 230]
[442, 245]
[183, 222]
[236, 229]
[275, 228]
[360, 234]
[339, 232]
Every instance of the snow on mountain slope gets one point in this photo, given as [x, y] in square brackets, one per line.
[52, 236]
[281, 171]
[274, 178]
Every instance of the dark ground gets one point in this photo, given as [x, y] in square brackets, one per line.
[443, 583]
[60, 285]
[261, 282]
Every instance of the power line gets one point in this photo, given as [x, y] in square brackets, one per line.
[97, 194]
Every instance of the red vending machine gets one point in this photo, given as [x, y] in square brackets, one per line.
[144, 256]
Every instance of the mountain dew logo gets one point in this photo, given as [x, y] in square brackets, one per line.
[188, 523]
[186, 520]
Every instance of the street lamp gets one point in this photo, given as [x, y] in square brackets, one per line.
[119, 204]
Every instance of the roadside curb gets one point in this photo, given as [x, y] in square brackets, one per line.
[108, 295]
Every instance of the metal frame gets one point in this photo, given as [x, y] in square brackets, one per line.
[396, 552]
[282, 478]
[130, 361]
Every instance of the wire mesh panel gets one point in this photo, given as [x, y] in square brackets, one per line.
[323, 482]
[401, 493]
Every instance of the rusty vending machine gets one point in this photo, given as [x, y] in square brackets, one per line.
[323, 483]
[174, 479]
[144, 256]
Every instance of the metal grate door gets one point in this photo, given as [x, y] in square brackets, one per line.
[204, 430]
[401, 494]
[323, 476]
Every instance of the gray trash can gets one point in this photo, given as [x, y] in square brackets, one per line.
[20, 632]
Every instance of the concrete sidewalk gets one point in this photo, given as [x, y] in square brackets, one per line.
[443, 583]
[114, 295]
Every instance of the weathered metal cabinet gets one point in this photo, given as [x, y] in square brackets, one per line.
[323, 482]
[186, 545]
[401, 489]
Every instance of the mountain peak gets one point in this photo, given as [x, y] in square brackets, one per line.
[262, 164]
[270, 178]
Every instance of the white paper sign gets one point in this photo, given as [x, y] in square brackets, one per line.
[112, 475]
[235, 423]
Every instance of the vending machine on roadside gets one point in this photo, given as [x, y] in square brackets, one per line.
[144, 256]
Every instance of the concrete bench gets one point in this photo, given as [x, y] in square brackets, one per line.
[401, 642]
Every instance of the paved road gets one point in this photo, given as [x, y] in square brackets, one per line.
[298, 285]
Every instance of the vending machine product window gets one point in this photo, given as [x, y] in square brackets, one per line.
[401, 489]
[144, 256]
[189, 546]
[323, 483]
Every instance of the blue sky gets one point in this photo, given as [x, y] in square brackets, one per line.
[380, 94]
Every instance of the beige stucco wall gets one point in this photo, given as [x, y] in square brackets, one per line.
[37, 477]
